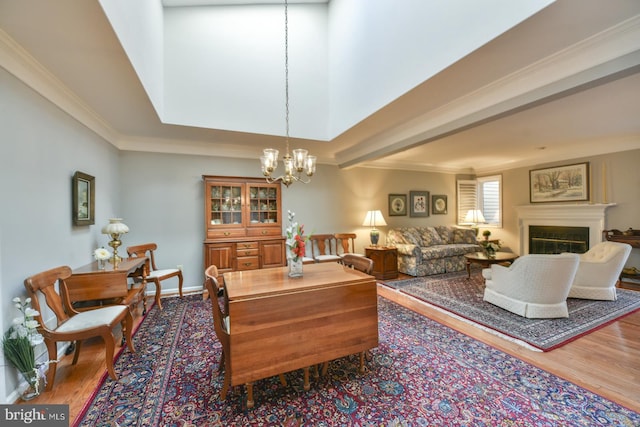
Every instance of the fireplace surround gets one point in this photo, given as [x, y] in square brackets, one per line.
[590, 215]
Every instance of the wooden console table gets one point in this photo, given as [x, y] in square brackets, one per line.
[279, 324]
[89, 286]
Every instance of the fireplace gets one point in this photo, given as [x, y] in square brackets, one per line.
[555, 240]
[590, 216]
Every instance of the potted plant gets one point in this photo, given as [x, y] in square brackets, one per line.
[18, 346]
[486, 234]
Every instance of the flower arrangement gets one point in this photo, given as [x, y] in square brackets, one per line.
[101, 254]
[295, 238]
[490, 248]
[19, 341]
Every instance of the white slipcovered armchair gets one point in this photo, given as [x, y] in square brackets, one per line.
[534, 286]
[599, 271]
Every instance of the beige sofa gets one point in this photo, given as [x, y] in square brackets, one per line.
[424, 251]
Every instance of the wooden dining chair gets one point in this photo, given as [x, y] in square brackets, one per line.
[345, 243]
[72, 325]
[223, 332]
[323, 248]
[154, 274]
[358, 262]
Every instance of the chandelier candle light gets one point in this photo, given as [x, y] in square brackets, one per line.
[301, 161]
[115, 229]
[372, 219]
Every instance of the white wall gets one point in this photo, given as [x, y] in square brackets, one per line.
[225, 68]
[41, 147]
[139, 27]
[379, 50]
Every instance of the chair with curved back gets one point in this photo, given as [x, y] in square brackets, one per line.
[358, 262]
[323, 248]
[599, 271]
[345, 243]
[154, 274]
[72, 325]
[221, 326]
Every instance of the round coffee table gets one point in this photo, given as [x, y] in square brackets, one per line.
[484, 261]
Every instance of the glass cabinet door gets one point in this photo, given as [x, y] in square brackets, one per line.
[263, 204]
[226, 204]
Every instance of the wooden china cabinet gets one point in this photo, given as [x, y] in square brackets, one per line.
[243, 224]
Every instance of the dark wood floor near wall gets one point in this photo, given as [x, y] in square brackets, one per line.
[606, 361]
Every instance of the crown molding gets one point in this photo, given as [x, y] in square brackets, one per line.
[25, 68]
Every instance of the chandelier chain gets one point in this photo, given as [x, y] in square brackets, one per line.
[286, 71]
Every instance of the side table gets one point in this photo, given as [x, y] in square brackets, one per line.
[385, 261]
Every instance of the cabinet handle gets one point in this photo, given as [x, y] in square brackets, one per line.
[247, 264]
[264, 231]
[226, 233]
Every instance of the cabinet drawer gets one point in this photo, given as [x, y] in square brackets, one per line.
[246, 245]
[271, 231]
[247, 252]
[229, 233]
[248, 263]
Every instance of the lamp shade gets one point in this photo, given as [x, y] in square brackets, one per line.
[474, 216]
[115, 226]
[373, 219]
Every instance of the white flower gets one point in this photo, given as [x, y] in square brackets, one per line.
[30, 312]
[101, 254]
[17, 300]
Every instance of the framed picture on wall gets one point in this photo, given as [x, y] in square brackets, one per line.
[419, 203]
[438, 204]
[83, 191]
[397, 204]
[568, 183]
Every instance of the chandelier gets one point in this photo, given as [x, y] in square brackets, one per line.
[301, 162]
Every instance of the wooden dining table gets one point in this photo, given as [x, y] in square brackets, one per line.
[278, 324]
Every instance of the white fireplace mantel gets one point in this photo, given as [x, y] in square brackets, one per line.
[590, 215]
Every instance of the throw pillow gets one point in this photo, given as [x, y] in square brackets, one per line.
[464, 235]
[430, 237]
[446, 233]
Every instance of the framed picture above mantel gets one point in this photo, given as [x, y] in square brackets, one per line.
[569, 183]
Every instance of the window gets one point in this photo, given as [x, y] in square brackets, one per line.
[485, 194]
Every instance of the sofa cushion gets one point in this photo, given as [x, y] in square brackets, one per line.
[430, 237]
[412, 236]
[396, 237]
[464, 235]
[446, 233]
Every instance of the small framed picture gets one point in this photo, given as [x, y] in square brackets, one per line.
[397, 204]
[438, 204]
[419, 203]
[83, 190]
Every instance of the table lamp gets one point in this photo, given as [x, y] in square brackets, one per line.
[372, 219]
[474, 217]
[115, 229]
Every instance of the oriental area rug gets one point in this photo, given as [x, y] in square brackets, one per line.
[421, 374]
[457, 294]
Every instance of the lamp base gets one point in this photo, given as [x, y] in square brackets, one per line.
[375, 236]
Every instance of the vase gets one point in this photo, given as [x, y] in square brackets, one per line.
[295, 267]
[490, 253]
[35, 384]
[101, 264]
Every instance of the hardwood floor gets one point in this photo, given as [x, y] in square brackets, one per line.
[606, 361]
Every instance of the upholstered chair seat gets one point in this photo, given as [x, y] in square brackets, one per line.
[534, 286]
[599, 271]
